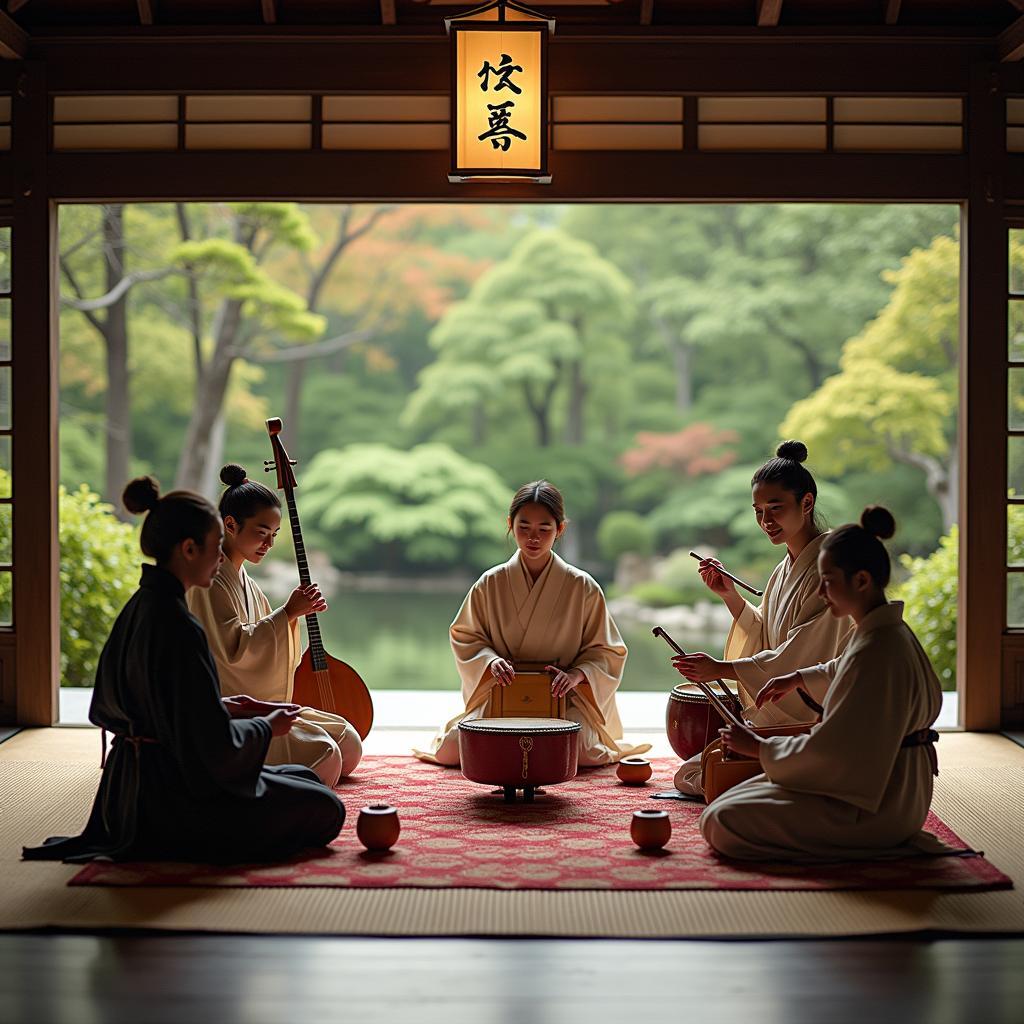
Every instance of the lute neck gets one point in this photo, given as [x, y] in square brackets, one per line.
[316, 644]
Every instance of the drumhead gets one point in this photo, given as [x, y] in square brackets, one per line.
[692, 692]
[519, 725]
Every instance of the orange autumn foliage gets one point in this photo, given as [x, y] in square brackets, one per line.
[695, 450]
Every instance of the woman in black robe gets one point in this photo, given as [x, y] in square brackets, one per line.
[185, 779]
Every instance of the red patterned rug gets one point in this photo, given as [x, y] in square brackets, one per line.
[456, 834]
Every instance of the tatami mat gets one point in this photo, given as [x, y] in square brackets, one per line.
[48, 777]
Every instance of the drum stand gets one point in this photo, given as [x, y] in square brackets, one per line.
[529, 792]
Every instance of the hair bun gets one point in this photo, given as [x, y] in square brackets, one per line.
[795, 451]
[233, 475]
[141, 495]
[878, 521]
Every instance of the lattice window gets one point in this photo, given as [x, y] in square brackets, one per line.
[6, 439]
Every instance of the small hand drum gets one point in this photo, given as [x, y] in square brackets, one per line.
[527, 696]
[519, 753]
[691, 720]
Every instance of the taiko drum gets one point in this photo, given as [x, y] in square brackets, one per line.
[519, 753]
[691, 720]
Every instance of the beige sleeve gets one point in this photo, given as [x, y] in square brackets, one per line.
[256, 654]
[746, 635]
[814, 636]
[470, 638]
[820, 677]
[602, 660]
[602, 655]
[850, 755]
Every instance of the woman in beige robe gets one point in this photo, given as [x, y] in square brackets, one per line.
[792, 627]
[256, 647]
[859, 784]
[537, 608]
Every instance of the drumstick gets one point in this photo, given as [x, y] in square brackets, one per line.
[724, 710]
[729, 576]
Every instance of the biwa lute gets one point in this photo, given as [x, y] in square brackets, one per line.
[321, 681]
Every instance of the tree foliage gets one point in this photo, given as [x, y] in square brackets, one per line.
[380, 507]
[516, 344]
[696, 450]
[428, 360]
[99, 563]
[624, 532]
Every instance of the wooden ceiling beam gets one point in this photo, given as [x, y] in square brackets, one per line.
[388, 14]
[145, 11]
[1011, 42]
[892, 11]
[13, 39]
[13, 6]
[646, 12]
[269, 9]
[768, 13]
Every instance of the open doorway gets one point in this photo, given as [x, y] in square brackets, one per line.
[427, 360]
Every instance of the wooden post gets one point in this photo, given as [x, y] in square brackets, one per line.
[982, 426]
[35, 457]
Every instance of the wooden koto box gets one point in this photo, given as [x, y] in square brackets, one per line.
[528, 696]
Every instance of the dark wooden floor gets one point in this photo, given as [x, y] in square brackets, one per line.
[81, 979]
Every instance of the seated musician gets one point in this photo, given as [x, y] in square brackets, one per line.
[537, 608]
[257, 648]
[792, 627]
[186, 779]
[859, 784]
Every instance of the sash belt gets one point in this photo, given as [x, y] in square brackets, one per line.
[135, 741]
[926, 738]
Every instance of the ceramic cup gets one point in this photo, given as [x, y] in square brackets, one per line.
[378, 827]
[650, 830]
[634, 771]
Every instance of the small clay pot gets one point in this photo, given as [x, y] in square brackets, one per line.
[634, 771]
[378, 827]
[650, 830]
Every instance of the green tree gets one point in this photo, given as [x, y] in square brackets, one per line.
[894, 399]
[771, 290]
[373, 506]
[237, 308]
[94, 238]
[546, 325]
[931, 594]
[930, 597]
[99, 562]
[622, 533]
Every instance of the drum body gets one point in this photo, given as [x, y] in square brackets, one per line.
[519, 753]
[691, 720]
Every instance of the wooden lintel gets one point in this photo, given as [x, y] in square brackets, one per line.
[768, 13]
[646, 12]
[145, 11]
[415, 176]
[13, 39]
[1011, 41]
[892, 11]
[376, 63]
[388, 14]
[269, 11]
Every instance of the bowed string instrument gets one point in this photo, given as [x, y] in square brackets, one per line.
[321, 681]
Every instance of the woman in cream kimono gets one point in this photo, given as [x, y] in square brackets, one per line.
[257, 648]
[792, 627]
[536, 607]
[859, 784]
